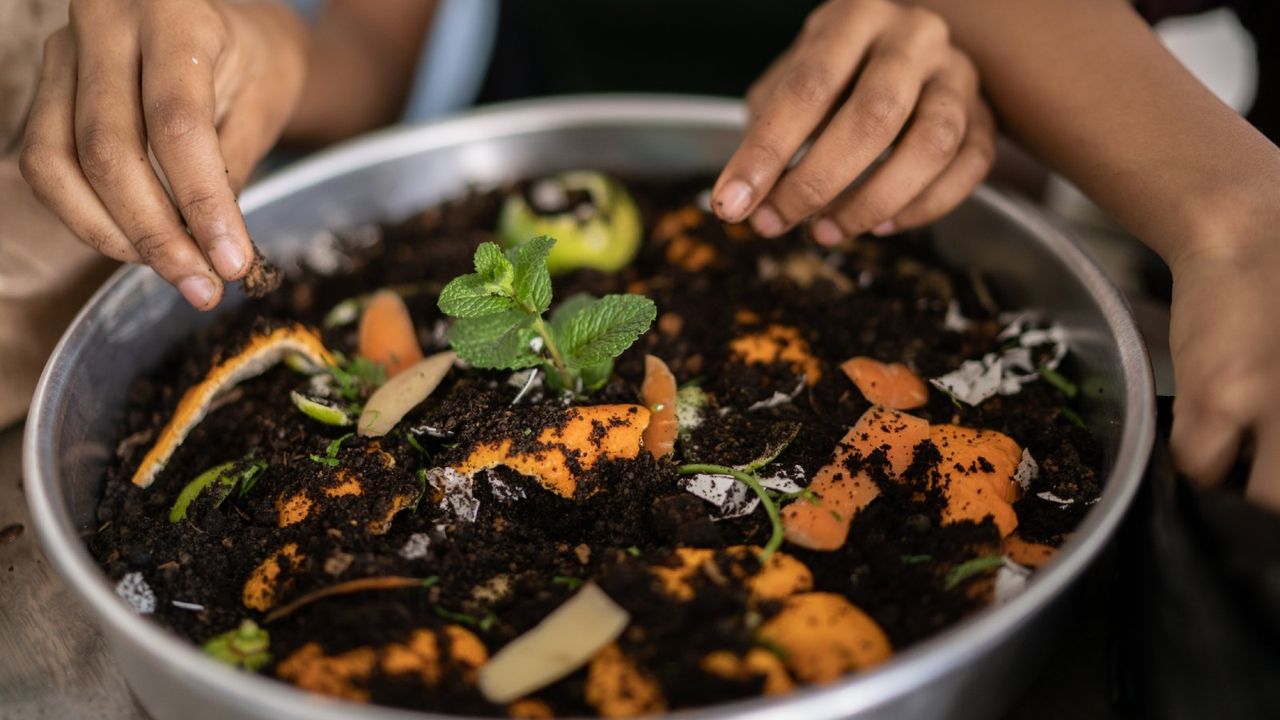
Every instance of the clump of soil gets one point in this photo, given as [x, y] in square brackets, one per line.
[501, 556]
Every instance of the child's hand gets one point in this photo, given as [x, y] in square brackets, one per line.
[862, 74]
[205, 85]
[1225, 341]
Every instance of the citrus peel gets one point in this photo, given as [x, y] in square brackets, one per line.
[257, 355]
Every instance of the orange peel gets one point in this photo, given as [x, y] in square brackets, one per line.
[257, 355]
[757, 663]
[824, 636]
[589, 434]
[778, 343]
[824, 525]
[616, 687]
[891, 385]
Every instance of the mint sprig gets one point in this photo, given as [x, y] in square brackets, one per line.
[498, 319]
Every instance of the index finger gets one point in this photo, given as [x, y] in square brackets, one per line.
[812, 78]
[178, 101]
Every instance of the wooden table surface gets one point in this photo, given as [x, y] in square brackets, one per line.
[53, 663]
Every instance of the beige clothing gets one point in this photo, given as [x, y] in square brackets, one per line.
[45, 273]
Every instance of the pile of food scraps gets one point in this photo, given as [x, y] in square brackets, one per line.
[574, 447]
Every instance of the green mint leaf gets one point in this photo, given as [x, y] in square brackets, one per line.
[605, 328]
[532, 280]
[567, 309]
[497, 342]
[470, 296]
[494, 267]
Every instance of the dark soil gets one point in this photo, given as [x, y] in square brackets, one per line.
[628, 514]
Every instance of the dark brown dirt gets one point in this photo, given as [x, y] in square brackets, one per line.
[628, 514]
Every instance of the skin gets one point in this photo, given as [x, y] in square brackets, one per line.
[1088, 87]
[864, 77]
[206, 87]
[1083, 83]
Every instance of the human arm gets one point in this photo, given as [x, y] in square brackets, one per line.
[1087, 86]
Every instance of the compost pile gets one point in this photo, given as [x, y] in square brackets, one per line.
[764, 490]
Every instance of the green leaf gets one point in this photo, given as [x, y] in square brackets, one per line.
[470, 296]
[605, 328]
[492, 266]
[532, 280]
[498, 342]
[223, 478]
[969, 568]
[566, 310]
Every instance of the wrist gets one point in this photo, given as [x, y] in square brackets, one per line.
[1228, 216]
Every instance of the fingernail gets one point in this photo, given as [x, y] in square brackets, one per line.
[885, 228]
[767, 222]
[826, 232]
[198, 290]
[733, 200]
[227, 257]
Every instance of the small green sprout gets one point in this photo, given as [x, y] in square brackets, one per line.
[753, 482]
[330, 457]
[1056, 379]
[224, 478]
[244, 647]
[1072, 417]
[916, 559]
[356, 378]
[499, 322]
[969, 568]
[573, 583]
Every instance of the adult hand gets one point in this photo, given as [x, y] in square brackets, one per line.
[203, 85]
[1225, 345]
[862, 74]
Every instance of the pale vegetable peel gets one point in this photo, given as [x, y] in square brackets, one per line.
[564, 641]
[402, 393]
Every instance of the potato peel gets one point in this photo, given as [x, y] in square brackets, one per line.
[562, 642]
[402, 393]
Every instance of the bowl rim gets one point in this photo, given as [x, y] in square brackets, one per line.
[913, 668]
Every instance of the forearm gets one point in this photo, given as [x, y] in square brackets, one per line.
[360, 67]
[1087, 86]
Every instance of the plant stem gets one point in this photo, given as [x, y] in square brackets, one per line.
[750, 480]
[557, 359]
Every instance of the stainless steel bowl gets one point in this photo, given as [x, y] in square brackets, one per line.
[972, 670]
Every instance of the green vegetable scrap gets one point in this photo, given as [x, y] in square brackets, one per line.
[602, 233]
[224, 478]
[244, 647]
[969, 568]
[498, 322]
[319, 410]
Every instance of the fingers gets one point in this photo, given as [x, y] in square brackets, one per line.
[178, 106]
[883, 99]
[930, 144]
[1264, 478]
[48, 161]
[957, 181]
[1204, 443]
[111, 148]
[799, 97]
